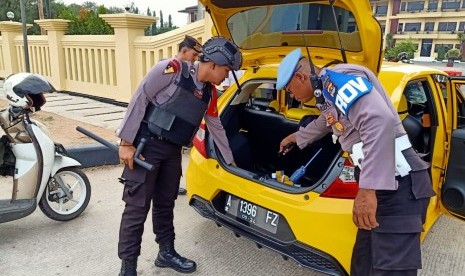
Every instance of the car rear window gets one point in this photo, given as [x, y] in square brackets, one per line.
[283, 25]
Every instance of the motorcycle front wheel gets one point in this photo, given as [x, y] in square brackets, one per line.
[56, 204]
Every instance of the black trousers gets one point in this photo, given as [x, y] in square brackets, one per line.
[393, 248]
[142, 188]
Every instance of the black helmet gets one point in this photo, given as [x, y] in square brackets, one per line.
[221, 51]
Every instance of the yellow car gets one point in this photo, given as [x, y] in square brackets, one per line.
[311, 221]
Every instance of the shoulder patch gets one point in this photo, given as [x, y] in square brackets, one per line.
[344, 90]
[172, 67]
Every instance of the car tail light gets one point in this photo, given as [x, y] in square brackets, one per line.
[345, 185]
[199, 140]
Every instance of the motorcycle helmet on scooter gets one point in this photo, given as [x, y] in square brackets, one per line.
[26, 90]
[221, 51]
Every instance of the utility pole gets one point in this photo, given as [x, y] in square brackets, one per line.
[26, 50]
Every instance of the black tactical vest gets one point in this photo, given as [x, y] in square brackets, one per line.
[178, 119]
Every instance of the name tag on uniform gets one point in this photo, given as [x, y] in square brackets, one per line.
[344, 90]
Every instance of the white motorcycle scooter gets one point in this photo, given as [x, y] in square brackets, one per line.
[42, 172]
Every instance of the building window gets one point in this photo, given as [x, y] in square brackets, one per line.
[400, 28]
[433, 5]
[381, 10]
[383, 28]
[447, 26]
[412, 27]
[415, 6]
[193, 17]
[429, 26]
[450, 4]
[462, 26]
[445, 47]
[402, 6]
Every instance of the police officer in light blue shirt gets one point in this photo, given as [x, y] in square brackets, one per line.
[394, 187]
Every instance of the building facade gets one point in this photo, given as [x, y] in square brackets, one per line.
[194, 13]
[433, 25]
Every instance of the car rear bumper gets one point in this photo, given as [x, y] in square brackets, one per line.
[303, 254]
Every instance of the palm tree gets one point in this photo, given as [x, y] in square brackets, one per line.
[461, 37]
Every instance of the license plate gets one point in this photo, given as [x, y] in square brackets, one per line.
[251, 213]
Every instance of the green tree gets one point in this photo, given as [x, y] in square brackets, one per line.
[115, 10]
[56, 8]
[148, 30]
[91, 6]
[162, 26]
[87, 22]
[406, 46]
[154, 25]
[32, 13]
[441, 52]
[461, 37]
[389, 41]
[453, 54]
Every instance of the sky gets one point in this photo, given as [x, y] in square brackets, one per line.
[179, 19]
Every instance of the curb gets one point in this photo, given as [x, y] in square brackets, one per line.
[93, 155]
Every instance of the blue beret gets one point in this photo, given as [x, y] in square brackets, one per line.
[286, 68]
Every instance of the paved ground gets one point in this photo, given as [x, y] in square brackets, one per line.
[84, 109]
[38, 246]
[458, 67]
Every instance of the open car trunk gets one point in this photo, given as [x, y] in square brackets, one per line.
[255, 129]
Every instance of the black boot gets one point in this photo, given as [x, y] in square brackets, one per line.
[128, 268]
[168, 257]
[182, 191]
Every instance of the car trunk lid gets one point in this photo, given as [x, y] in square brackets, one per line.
[267, 30]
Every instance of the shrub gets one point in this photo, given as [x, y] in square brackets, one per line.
[453, 54]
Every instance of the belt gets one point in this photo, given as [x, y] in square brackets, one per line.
[401, 143]
[161, 138]
[145, 132]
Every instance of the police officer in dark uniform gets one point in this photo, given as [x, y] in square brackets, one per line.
[166, 110]
[394, 184]
[188, 50]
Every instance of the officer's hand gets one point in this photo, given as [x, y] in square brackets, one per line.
[286, 141]
[364, 212]
[126, 154]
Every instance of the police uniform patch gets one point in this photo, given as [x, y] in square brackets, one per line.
[344, 90]
[340, 127]
[330, 119]
[198, 93]
[172, 67]
[331, 88]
